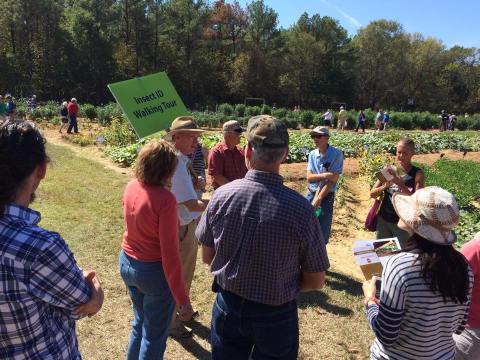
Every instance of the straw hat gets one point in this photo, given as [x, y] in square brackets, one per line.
[431, 212]
[182, 124]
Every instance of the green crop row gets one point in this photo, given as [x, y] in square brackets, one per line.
[293, 119]
[352, 145]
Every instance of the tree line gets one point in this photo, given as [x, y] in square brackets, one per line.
[223, 52]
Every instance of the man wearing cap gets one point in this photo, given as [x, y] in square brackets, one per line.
[184, 134]
[325, 165]
[226, 160]
[72, 108]
[342, 119]
[264, 245]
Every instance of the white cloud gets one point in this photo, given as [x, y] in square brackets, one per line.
[354, 22]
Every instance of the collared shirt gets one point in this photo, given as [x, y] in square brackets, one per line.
[318, 163]
[264, 234]
[227, 162]
[72, 108]
[40, 286]
[182, 188]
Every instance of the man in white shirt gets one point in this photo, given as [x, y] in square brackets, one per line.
[328, 118]
[184, 134]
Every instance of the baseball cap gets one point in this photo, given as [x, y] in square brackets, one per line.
[265, 130]
[321, 130]
[232, 125]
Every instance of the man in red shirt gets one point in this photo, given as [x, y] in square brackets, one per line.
[226, 161]
[72, 108]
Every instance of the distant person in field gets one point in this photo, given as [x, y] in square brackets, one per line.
[73, 109]
[426, 289]
[42, 289]
[184, 134]
[32, 104]
[361, 119]
[407, 180]
[149, 261]
[386, 119]
[379, 120]
[452, 119]
[264, 245]
[328, 118]
[3, 108]
[443, 120]
[342, 119]
[468, 342]
[325, 165]
[11, 107]
[226, 161]
[63, 116]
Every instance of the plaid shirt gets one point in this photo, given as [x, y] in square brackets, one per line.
[40, 286]
[264, 235]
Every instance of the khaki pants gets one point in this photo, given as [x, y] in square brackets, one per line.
[188, 251]
[188, 256]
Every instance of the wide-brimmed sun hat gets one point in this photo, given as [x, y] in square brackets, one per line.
[431, 212]
[183, 124]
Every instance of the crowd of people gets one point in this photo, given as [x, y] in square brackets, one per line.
[263, 241]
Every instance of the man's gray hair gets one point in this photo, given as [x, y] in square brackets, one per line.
[266, 154]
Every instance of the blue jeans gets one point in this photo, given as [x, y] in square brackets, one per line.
[327, 213]
[241, 328]
[153, 306]
[72, 123]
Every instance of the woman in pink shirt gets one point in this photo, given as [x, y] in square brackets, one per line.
[150, 261]
[468, 342]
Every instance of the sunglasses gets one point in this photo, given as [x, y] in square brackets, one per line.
[317, 136]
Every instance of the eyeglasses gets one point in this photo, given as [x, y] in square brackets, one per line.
[317, 136]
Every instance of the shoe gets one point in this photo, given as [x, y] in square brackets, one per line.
[179, 333]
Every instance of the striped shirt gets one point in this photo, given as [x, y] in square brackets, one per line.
[198, 162]
[412, 322]
[264, 234]
[40, 286]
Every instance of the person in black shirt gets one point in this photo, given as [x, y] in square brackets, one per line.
[407, 184]
[443, 120]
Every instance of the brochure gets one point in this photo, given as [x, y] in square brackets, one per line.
[372, 255]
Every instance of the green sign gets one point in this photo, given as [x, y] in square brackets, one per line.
[149, 102]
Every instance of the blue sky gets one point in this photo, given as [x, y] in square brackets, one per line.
[454, 22]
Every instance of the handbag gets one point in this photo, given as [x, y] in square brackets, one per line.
[371, 220]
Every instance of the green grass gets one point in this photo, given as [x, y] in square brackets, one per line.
[461, 178]
[81, 199]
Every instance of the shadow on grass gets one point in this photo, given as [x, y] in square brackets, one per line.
[320, 299]
[335, 282]
[341, 282]
[192, 346]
